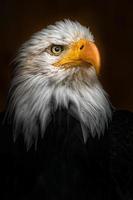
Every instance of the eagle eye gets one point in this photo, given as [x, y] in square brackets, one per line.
[56, 50]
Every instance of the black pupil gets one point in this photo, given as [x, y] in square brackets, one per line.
[57, 48]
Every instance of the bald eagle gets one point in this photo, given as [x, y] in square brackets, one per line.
[79, 146]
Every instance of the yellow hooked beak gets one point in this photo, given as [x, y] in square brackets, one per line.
[80, 53]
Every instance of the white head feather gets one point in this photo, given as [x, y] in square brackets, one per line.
[37, 85]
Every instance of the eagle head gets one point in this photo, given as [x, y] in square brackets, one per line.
[58, 67]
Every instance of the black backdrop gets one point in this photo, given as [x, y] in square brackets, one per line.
[110, 21]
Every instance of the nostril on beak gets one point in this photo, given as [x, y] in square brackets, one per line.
[82, 46]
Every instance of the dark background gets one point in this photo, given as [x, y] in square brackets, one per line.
[111, 22]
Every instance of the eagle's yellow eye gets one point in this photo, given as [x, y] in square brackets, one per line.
[57, 49]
